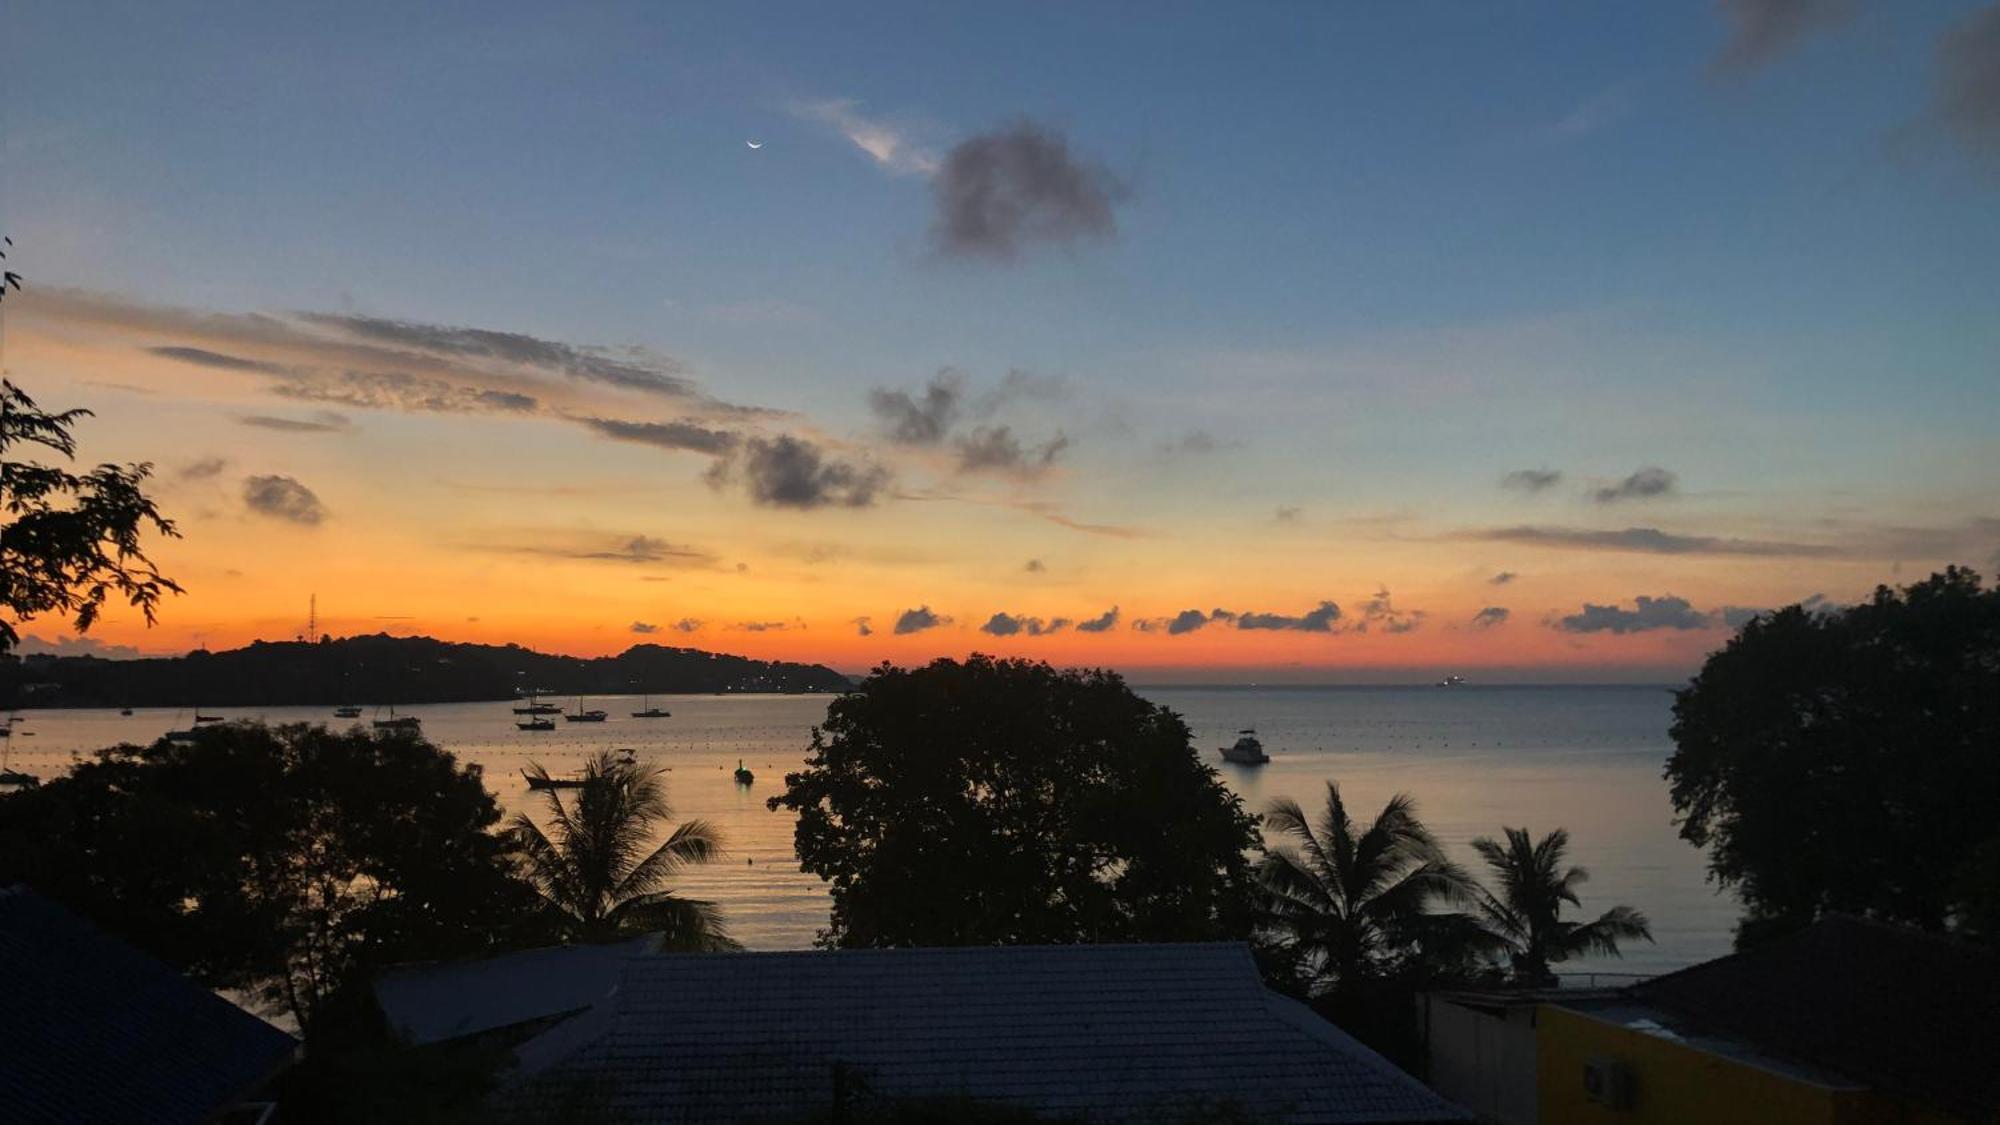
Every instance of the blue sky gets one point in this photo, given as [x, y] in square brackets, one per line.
[1377, 255]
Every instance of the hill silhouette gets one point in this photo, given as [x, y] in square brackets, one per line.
[380, 669]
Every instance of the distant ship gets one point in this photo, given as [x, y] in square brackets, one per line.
[1247, 751]
[347, 711]
[399, 722]
[650, 711]
[582, 716]
[1452, 681]
[536, 722]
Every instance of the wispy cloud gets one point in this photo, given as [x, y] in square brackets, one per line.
[1645, 540]
[1761, 30]
[1968, 81]
[1490, 617]
[1531, 480]
[321, 422]
[1645, 484]
[888, 145]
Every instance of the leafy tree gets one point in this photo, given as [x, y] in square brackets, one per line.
[69, 541]
[1527, 912]
[1002, 801]
[1846, 760]
[1348, 905]
[282, 861]
[597, 868]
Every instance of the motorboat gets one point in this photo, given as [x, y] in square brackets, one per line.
[1246, 751]
[201, 718]
[535, 782]
[537, 722]
[399, 722]
[350, 711]
[1452, 681]
[743, 775]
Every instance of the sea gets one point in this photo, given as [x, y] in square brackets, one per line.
[1476, 759]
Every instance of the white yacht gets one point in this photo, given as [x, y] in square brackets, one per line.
[1247, 751]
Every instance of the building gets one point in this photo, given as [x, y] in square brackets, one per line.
[503, 999]
[92, 1029]
[1102, 1032]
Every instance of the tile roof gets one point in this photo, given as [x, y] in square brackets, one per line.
[1107, 1032]
[92, 1029]
[1905, 1011]
[431, 1003]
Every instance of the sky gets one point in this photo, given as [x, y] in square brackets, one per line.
[1313, 343]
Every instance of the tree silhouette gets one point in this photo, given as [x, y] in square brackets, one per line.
[597, 868]
[1005, 802]
[1526, 914]
[70, 541]
[1349, 905]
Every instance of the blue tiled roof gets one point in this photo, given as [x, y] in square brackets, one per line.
[1107, 1032]
[92, 1029]
[435, 1003]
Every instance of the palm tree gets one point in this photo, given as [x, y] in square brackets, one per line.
[597, 870]
[1527, 913]
[1348, 905]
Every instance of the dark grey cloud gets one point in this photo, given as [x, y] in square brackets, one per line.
[1647, 614]
[862, 627]
[1645, 484]
[688, 625]
[1035, 567]
[1289, 513]
[1489, 617]
[1008, 624]
[1102, 623]
[677, 435]
[1380, 613]
[1761, 30]
[789, 472]
[208, 468]
[1502, 578]
[996, 448]
[1968, 81]
[1648, 541]
[917, 620]
[1189, 620]
[923, 418]
[628, 368]
[322, 422]
[283, 498]
[998, 193]
[202, 357]
[1532, 480]
[32, 645]
[1319, 619]
[644, 627]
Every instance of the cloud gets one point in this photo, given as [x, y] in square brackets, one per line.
[1007, 624]
[1968, 81]
[1646, 540]
[1663, 612]
[688, 625]
[924, 418]
[32, 645]
[1319, 619]
[1289, 513]
[1761, 30]
[322, 422]
[1502, 578]
[208, 468]
[665, 435]
[999, 192]
[283, 498]
[1035, 567]
[884, 143]
[862, 627]
[1380, 612]
[1602, 109]
[996, 448]
[762, 626]
[1490, 617]
[627, 368]
[202, 357]
[1189, 620]
[1531, 480]
[1737, 616]
[622, 549]
[789, 472]
[1645, 484]
[1102, 623]
[398, 390]
[918, 620]
[644, 627]
[1193, 443]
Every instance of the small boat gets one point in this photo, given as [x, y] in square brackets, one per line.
[1452, 681]
[201, 718]
[651, 712]
[537, 707]
[399, 722]
[582, 716]
[743, 776]
[179, 737]
[551, 782]
[124, 710]
[1247, 751]
[347, 711]
[15, 779]
[536, 723]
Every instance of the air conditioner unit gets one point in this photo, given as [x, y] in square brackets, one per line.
[1608, 1083]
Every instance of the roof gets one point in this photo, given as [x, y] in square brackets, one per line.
[432, 1003]
[95, 1030]
[1102, 1031]
[1901, 1010]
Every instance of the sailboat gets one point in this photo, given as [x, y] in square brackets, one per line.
[397, 722]
[582, 716]
[651, 712]
[201, 718]
[743, 774]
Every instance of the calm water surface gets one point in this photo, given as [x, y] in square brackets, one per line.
[1476, 759]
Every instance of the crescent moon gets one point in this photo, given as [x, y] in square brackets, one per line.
[754, 144]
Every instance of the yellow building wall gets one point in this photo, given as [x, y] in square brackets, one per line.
[1675, 1084]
